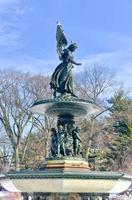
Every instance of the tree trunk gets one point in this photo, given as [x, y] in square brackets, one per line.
[90, 140]
[17, 161]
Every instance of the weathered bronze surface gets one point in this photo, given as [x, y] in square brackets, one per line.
[62, 79]
[65, 107]
[65, 139]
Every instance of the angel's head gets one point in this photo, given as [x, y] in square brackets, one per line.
[72, 46]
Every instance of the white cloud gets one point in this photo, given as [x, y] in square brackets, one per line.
[9, 39]
[119, 62]
[11, 26]
[8, 1]
[29, 64]
[7, 5]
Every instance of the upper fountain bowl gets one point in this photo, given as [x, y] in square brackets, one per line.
[65, 107]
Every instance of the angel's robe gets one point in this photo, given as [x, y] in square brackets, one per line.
[62, 79]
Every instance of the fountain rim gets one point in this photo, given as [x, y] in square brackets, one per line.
[64, 174]
[57, 100]
[60, 106]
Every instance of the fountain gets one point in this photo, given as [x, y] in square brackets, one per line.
[65, 174]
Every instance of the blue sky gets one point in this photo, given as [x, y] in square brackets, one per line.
[102, 29]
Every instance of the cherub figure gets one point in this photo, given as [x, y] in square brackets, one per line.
[61, 140]
[54, 142]
[62, 79]
[76, 141]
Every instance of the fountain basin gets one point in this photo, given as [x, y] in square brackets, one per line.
[66, 181]
[63, 107]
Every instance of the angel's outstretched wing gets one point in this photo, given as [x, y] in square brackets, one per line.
[61, 40]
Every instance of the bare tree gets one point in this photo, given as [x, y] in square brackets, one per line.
[14, 103]
[18, 92]
[40, 89]
[93, 82]
[5, 151]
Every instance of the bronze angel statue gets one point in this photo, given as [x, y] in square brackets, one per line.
[62, 79]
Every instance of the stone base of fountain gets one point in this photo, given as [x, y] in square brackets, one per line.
[66, 176]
